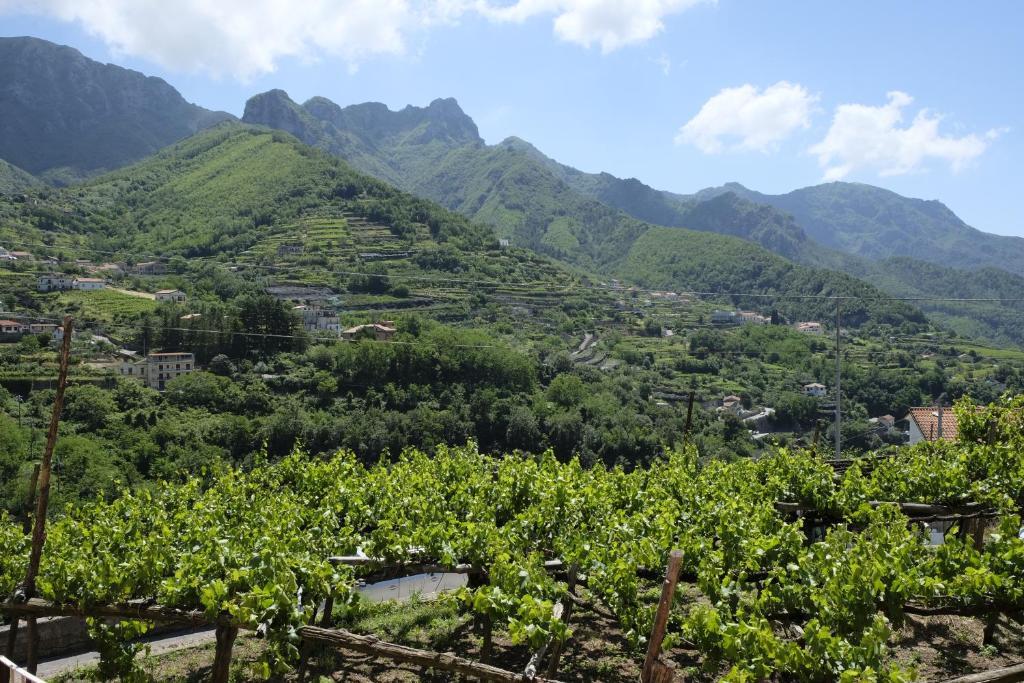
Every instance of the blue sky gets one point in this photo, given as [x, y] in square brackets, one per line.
[764, 90]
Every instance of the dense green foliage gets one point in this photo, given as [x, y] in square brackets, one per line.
[268, 565]
[663, 257]
[14, 180]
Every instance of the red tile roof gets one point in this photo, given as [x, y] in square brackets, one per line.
[927, 420]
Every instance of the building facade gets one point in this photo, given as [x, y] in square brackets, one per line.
[156, 369]
[173, 295]
[815, 389]
[54, 282]
[88, 283]
[316, 319]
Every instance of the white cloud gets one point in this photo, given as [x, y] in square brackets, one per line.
[747, 118]
[865, 137]
[612, 24]
[241, 38]
[246, 38]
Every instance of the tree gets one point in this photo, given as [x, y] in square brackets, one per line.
[566, 390]
[89, 406]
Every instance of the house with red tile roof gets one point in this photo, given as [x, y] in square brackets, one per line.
[932, 424]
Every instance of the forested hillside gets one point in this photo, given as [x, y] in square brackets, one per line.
[64, 116]
[873, 222]
[437, 153]
[13, 179]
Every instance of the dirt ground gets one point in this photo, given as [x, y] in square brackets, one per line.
[939, 647]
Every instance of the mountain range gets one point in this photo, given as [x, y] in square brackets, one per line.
[64, 117]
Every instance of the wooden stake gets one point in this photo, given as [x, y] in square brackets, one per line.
[1012, 674]
[33, 484]
[39, 524]
[654, 670]
[226, 635]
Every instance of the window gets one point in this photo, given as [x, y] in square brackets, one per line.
[188, 366]
[177, 366]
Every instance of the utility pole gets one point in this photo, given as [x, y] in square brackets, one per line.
[938, 412]
[839, 391]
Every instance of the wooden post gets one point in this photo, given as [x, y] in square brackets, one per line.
[328, 615]
[39, 523]
[1010, 674]
[226, 635]
[30, 501]
[988, 635]
[654, 670]
[487, 646]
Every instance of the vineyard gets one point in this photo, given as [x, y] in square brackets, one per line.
[803, 572]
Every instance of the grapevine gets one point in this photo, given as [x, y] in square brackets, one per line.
[255, 546]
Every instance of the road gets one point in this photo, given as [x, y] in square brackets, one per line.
[426, 585]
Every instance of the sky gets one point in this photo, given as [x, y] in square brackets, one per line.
[923, 98]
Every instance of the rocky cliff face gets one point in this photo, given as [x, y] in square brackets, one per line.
[64, 116]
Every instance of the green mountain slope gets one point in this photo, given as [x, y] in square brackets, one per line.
[13, 179]
[223, 189]
[64, 116]
[436, 152]
[666, 257]
[875, 223]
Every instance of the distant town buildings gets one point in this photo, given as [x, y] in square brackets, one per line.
[738, 318]
[156, 369]
[381, 331]
[316, 319]
[58, 282]
[815, 389]
[752, 318]
[88, 283]
[11, 328]
[810, 327]
[172, 295]
[54, 282]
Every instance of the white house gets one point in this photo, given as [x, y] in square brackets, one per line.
[88, 283]
[174, 295]
[815, 389]
[316, 319]
[752, 318]
[11, 327]
[932, 424]
[51, 283]
[381, 331]
[158, 368]
[810, 327]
